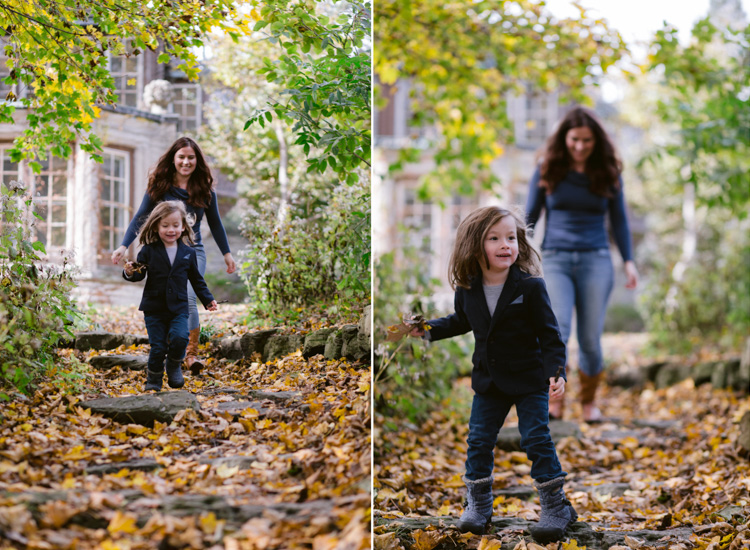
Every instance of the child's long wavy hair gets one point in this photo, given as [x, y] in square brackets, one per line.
[162, 177]
[468, 249]
[150, 228]
[603, 167]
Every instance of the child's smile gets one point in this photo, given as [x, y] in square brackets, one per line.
[500, 246]
[170, 228]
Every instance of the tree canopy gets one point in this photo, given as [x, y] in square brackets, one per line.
[58, 50]
[464, 59]
[323, 78]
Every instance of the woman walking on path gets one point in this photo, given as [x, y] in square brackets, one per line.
[518, 360]
[182, 174]
[170, 262]
[579, 183]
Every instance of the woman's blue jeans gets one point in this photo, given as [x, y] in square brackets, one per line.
[582, 280]
[194, 320]
[488, 413]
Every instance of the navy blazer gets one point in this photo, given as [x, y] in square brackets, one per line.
[519, 348]
[166, 286]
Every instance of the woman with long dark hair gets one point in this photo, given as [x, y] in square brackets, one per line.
[578, 183]
[182, 174]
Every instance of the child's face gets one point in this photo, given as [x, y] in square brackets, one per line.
[170, 228]
[184, 161]
[501, 245]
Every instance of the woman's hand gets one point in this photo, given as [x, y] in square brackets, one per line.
[556, 388]
[231, 266]
[118, 254]
[631, 272]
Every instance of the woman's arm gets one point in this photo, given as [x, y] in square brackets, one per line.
[219, 233]
[621, 230]
[535, 200]
[147, 205]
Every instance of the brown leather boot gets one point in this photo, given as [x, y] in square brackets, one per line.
[589, 384]
[192, 361]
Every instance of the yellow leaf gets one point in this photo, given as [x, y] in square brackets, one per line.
[489, 544]
[572, 545]
[26, 427]
[224, 471]
[209, 523]
[387, 541]
[76, 453]
[263, 424]
[426, 540]
[122, 523]
[68, 483]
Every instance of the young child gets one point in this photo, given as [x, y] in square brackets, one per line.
[518, 360]
[170, 263]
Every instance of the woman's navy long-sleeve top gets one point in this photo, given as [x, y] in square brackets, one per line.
[575, 217]
[177, 194]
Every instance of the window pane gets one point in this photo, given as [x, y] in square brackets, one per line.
[190, 109]
[41, 209]
[60, 186]
[117, 164]
[117, 222]
[41, 188]
[59, 164]
[58, 236]
[59, 213]
[130, 100]
[130, 64]
[106, 192]
[104, 216]
[41, 233]
[104, 243]
[9, 166]
[44, 163]
[118, 191]
[116, 64]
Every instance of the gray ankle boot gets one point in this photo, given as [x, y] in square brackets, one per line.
[174, 374]
[557, 512]
[478, 506]
[153, 380]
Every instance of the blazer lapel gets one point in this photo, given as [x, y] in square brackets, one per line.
[506, 295]
[477, 294]
[162, 252]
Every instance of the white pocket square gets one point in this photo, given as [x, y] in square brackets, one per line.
[518, 300]
[187, 257]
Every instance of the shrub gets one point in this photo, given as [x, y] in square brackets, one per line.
[412, 377]
[35, 303]
[318, 258]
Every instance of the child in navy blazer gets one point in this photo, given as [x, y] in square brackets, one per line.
[170, 263]
[518, 360]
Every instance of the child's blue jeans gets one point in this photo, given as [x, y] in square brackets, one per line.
[488, 413]
[168, 337]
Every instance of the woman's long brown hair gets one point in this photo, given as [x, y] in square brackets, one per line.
[469, 246]
[163, 175]
[603, 167]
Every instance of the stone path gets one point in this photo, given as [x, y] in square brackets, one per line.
[228, 420]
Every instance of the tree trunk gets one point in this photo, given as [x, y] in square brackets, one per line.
[284, 190]
[689, 243]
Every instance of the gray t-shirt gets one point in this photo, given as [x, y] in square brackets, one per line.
[492, 294]
[171, 252]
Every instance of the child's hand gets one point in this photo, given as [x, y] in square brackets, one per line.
[417, 332]
[556, 388]
[129, 268]
[213, 306]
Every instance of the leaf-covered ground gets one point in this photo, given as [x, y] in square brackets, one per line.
[309, 473]
[669, 459]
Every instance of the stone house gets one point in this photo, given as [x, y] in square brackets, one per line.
[86, 206]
